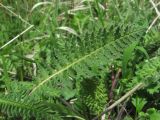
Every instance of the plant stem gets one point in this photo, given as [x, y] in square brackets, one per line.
[137, 87]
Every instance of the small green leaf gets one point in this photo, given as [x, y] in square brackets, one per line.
[126, 57]
[138, 103]
[153, 114]
[140, 48]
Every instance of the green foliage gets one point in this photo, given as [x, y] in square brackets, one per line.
[69, 63]
[94, 95]
[102, 56]
[148, 72]
[128, 53]
[25, 109]
[138, 103]
[151, 114]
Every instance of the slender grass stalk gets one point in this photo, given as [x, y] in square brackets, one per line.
[10, 41]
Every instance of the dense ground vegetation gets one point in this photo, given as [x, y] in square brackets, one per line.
[79, 60]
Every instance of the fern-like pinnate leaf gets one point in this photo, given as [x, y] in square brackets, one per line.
[94, 95]
[89, 63]
[148, 73]
[26, 109]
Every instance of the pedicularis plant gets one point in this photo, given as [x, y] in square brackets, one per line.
[79, 60]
